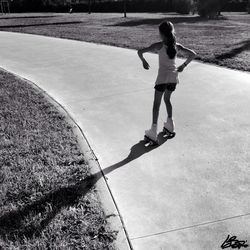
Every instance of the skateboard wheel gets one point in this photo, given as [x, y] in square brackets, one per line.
[151, 142]
[168, 133]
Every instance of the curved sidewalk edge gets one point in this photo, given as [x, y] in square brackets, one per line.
[108, 203]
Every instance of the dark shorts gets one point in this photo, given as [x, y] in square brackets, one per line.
[162, 87]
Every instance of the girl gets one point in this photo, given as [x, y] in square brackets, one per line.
[167, 75]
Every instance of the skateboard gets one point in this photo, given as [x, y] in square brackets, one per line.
[150, 141]
[168, 133]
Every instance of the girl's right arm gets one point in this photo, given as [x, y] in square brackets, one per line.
[151, 48]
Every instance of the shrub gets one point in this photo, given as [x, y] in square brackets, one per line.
[183, 6]
[209, 8]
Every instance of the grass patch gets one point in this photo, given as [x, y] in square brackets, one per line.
[48, 198]
[224, 42]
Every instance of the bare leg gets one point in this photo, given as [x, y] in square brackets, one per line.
[167, 97]
[156, 105]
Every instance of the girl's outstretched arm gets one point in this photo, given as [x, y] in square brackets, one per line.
[191, 55]
[151, 48]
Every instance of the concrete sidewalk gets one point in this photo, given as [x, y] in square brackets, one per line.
[193, 190]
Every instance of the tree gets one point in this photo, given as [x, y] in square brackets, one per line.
[222, 4]
[209, 8]
[183, 6]
[89, 6]
[125, 8]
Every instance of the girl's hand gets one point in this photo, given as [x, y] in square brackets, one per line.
[145, 64]
[181, 68]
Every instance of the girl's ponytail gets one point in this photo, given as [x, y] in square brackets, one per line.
[167, 29]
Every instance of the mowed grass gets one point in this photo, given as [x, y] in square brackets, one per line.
[224, 41]
[48, 198]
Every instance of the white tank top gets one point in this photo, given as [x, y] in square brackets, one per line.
[167, 72]
[165, 63]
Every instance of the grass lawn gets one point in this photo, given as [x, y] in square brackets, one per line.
[224, 42]
[48, 198]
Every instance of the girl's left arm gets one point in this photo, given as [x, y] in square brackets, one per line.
[191, 55]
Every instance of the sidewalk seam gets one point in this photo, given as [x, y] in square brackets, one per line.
[192, 226]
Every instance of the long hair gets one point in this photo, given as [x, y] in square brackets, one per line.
[166, 28]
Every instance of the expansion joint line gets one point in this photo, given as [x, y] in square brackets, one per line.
[192, 226]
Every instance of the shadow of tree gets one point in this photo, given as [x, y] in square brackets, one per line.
[26, 17]
[157, 21]
[244, 46]
[12, 223]
[37, 24]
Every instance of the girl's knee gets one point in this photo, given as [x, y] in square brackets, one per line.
[167, 95]
[167, 101]
[156, 107]
[157, 102]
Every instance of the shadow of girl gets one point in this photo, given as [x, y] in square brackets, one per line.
[12, 224]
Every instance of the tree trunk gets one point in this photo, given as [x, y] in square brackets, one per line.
[125, 7]
[89, 3]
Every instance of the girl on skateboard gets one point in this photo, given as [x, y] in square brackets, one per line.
[167, 78]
